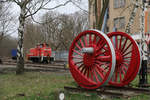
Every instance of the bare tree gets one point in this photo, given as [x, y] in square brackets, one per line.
[97, 8]
[28, 8]
[32, 35]
[58, 30]
[7, 44]
[81, 22]
[1, 33]
[63, 28]
[6, 21]
[50, 28]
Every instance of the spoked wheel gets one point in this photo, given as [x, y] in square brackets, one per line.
[92, 59]
[128, 58]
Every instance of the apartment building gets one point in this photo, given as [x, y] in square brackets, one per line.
[119, 14]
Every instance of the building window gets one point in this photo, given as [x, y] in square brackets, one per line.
[119, 3]
[119, 22]
[148, 1]
[107, 29]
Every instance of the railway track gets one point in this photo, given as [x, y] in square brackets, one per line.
[98, 92]
[29, 66]
[57, 65]
[33, 67]
[111, 91]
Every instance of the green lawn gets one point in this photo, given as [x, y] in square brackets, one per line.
[44, 86]
[31, 84]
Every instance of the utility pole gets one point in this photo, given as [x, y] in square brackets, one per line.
[143, 78]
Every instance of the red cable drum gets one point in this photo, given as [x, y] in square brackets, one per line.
[128, 58]
[92, 59]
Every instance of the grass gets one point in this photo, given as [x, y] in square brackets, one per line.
[31, 84]
[136, 80]
[45, 86]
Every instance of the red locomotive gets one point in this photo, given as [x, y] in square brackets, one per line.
[41, 53]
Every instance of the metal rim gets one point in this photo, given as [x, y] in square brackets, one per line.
[91, 59]
[128, 58]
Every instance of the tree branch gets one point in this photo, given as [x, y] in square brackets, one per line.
[79, 7]
[57, 5]
[30, 13]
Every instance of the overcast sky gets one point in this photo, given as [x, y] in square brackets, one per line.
[68, 9]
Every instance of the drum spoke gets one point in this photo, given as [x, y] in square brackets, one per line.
[124, 67]
[94, 40]
[78, 53]
[116, 42]
[127, 48]
[127, 53]
[82, 65]
[88, 72]
[126, 57]
[82, 44]
[124, 44]
[100, 68]
[85, 40]
[120, 43]
[101, 46]
[91, 73]
[104, 58]
[84, 68]
[77, 57]
[120, 75]
[100, 52]
[116, 75]
[78, 46]
[85, 71]
[90, 38]
[78, 62]
[122, 70]
[97, 80]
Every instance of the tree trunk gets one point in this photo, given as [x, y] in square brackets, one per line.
[101, 18]
[20, 53]
[96, 13]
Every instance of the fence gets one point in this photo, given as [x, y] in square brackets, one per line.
[60, 55]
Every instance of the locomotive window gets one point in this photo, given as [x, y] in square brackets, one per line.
[41, 46]
[47, 45]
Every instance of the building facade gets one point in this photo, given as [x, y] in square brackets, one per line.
[119, 15]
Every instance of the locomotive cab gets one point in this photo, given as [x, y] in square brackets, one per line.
[41, 53]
